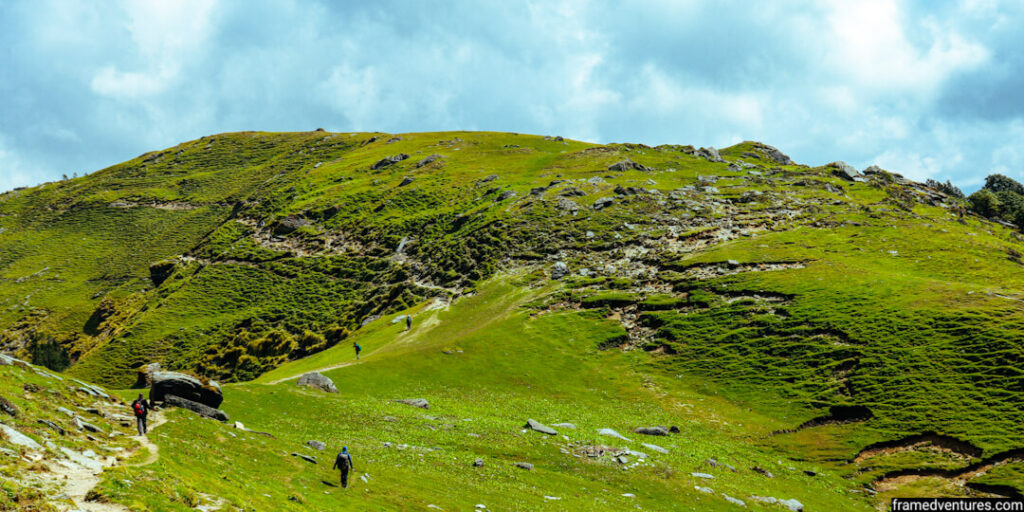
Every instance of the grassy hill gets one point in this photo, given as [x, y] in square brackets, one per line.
[784, 317]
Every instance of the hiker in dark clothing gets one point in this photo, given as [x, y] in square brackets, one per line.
[141, 408]
[408, 322]
[358, 349]
[343, 462]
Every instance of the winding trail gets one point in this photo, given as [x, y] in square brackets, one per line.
[75, 478]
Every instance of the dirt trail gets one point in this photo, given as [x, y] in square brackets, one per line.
[75, 478]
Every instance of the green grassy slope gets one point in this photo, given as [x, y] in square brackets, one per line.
[784, 289]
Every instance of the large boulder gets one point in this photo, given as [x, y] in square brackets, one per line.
[318, 381]
[144, 376]
[537, 426]
[391, 160]
[626, 165]
[166, 383]
[196, 407]
[289, 224]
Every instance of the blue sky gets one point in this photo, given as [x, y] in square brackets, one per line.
[927, 89]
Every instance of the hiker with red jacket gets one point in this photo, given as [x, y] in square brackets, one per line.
[141, 408]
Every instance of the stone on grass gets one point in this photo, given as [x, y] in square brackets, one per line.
[559, 270]
[84, 425]
[316, 445]
[702, 475]
[524, 465]
[391, 160]
[317, 381]
[611, 433]
[478, 463]
[415, 402]
[734, 501]
[306, 458]
[18, 439]
[540, 427]
[564, 425]
[184, 386]
[654, 447]
[651, 431]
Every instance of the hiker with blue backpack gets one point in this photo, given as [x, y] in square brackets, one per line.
[358, 349]
[343, 463]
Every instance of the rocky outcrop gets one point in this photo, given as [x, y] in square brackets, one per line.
[165, 383]
[317, 381]
[289, 224]
[626, 165]
[391, 160]
[196, 407]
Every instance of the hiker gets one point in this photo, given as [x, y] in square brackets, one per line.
[358, 349]
[408, 322]
[343, 462]
[141, 408]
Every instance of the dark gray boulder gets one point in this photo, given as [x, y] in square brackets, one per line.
[478, 463]
[186, 386]
[415, 402]
[81, 424]
[626, 165]
[508, 194]
[406, 181]
[773, 154]
[317, 381]
[524, 465]
[196, 407]
[540, 427]
[391, 160]
[56, 428]
[603, 202]
[567, 205]
[651, 431]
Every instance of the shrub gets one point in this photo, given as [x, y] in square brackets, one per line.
[984, 202]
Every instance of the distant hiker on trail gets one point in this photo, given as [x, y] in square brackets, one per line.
[141, 408]
[408, 322]
[358, 349]
[343, 462]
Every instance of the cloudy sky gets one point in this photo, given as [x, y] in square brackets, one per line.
[927, 89]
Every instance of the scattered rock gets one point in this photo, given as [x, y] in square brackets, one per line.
[734, 501]
[406, 181]
[56, 428]
[654, 447]
[775, 155]
[478, 463]
[651, 431]
[65, 411]
[792, 504]
[673, 429]
[196, 407]
[559, 270]
[564, 425]
[317, 381]
[810, 473]
[603, 202]
[316, 445]
[81, 424]
[415, 402]
[306, 458]
[391, 160]
[702, 475]
[508, 194]
[540, 427]
[428, 160]
[524, 465]
[762, 471]
[7, 407]
[572, 192]
[185, 386]
[567, 205]
[489, 178]
[705, 490]
[611, 433]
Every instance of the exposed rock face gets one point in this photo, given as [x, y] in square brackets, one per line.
[144, 375]
[289, 224]
[506, 195]
[846, 171]
[775, 155]
[711, 154]
[391, 160]
[19, 439]
[567, 205]
[559, 270]
[196, 407]
[166, 383]
[603, 202]
[317, 381]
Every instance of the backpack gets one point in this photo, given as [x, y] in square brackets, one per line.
[140, 410]
[344, 462]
